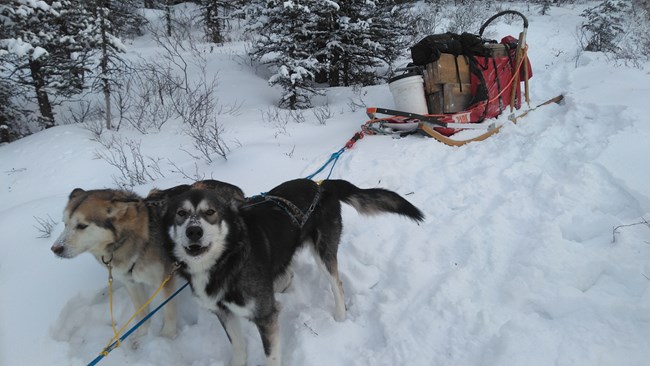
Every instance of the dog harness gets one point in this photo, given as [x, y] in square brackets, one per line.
[297, 216]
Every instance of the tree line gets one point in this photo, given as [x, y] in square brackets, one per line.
[56, 51]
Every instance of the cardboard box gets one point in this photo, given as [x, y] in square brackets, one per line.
[443, 71]
[456, 97]
[435, 102]
[497, 49]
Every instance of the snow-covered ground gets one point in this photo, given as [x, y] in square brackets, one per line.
[516, 264]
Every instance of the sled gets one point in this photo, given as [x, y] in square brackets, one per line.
[465, 82]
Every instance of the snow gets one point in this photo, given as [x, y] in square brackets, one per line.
[21, 48]
[516, 264]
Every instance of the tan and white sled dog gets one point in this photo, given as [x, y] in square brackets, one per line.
[120, 230]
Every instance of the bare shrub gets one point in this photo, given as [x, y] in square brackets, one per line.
[356, 102]
[467, 17]
[125, 155]
[276, 118]
[322, 113]
[197, 175]
[45, 226]
[88, 116]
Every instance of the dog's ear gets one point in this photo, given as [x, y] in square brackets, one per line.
[236, 196]
[76, 193]
[158, 198]
[222, 188]
[119, 208]
[161, 194]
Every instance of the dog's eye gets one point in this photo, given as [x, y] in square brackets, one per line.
[81, 226]
[210, 212]
[181, 213]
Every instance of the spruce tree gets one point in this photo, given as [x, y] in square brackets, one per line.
[213, 14]
[338, 43]
[605, 23]
[31, 49]
[287, 42]
[365, 37]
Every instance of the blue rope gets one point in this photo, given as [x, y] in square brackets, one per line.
[333, 158]
[135, 326]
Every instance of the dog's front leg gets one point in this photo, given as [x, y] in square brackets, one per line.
[169, 328]
[232, 325]
[138, 297]
[268, 328]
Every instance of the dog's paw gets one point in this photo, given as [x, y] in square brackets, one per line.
[168, 332]
[134, 344]
[340, 316]
[234, 362]
[340, 312]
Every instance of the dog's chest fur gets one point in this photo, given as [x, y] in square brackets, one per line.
[214, 300]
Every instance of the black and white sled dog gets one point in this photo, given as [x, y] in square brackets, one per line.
[123, 231]
[234, 250]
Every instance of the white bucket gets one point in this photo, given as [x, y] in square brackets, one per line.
[408, 93]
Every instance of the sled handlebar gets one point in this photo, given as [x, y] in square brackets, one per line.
[514, 12]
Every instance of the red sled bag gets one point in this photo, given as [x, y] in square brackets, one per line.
[481, 80]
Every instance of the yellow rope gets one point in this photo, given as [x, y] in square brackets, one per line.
[116, 337]
[110, 306]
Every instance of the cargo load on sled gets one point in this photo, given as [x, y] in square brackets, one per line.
[457, 82]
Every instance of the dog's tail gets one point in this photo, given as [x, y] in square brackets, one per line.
[372, 201]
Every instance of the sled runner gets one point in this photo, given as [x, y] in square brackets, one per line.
[457, 82]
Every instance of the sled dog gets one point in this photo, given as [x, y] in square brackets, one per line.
[123, 231]
[232, 250]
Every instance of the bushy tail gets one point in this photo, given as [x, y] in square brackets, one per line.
[372, 201]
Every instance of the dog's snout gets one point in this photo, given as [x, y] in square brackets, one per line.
[194, 233]
[57, 249]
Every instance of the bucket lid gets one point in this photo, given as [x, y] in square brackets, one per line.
[403, 76]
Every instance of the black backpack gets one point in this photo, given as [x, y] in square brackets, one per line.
[430, 47]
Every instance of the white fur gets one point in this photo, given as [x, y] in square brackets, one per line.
[75, 241]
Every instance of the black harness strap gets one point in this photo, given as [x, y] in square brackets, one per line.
[496, 73]
[297, 216]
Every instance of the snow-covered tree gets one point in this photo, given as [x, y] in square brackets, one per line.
[42, 47]
[213, 14]
[99, 36]
[364, 37]
[287, 42]
[58, 49]
[10, 114]
[123, 15]
[29, 31]
[604, 24]
[340, 43]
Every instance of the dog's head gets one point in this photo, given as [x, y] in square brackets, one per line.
[91, 218]
[199, 220]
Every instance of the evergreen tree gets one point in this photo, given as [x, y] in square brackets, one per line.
[123, 16]
[365, 37]
[29, 31]
[287, 42]
[311, 41]
[53, 48]
[605, 24]
[98, 36]
[10, 114]
[213, 14]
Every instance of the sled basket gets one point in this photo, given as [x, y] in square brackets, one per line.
[466, 80]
